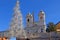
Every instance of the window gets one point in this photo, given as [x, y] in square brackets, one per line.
[28, 20]
[28, 31]
[41, 30]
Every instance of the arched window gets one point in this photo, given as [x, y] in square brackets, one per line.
[28, 20]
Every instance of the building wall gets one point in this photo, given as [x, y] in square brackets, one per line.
[57, 27]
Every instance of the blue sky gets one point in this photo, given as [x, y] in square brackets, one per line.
[50, 7]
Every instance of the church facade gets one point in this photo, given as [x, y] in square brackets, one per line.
[33, 27]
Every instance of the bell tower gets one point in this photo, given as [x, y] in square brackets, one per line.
[29, 20]
[42, 21]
